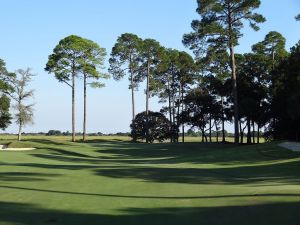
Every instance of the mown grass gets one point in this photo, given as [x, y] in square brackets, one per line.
[112, 181]
[109, 138]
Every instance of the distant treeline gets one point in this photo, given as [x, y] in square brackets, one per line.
[68, 133]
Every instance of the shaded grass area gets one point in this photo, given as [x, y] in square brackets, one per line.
[114, 181]
[260, 214]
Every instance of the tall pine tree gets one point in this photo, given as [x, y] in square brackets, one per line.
[220, 24]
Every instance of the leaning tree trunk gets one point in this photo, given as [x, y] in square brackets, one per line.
[84, 108]
[147, 103]
[73, 107]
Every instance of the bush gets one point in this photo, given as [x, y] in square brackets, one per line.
[54, 133]
[158, 125]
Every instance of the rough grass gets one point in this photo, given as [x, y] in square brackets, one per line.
[19, 144]
[112, 182]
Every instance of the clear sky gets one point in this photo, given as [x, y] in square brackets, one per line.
[30, 30]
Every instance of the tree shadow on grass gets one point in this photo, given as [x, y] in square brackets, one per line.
[74, 157]
[285, 173]
[139, 153]
[275, 214]
[47, 142]
[63, 166]
[24, 176]
[63, 152]
[197, 153]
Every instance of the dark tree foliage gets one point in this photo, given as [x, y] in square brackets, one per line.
[199, 104]
[5, 117]
[172, 83]
[273, 47]
[54, 133]
[5, 89]
[286, 97]
[253, 92]
[158, 127]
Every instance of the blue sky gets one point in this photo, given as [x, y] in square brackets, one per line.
[32, 28]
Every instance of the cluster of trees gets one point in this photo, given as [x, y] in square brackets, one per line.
[167, 72]
[218, 86]
[256, 91]
[13, 86]
[75, 57]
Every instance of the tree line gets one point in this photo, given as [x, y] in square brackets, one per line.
[255, 91]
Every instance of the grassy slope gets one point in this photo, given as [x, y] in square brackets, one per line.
[113, 182]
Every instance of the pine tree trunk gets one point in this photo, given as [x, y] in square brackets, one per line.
[132, 100]
[182, 109]
[210, 128]
[202, 130]
[241, 132]
[177, 124]
[235, 95]
[147, 103]
[217, 132]
[223, 122]
[173, 116]
[170, 112]
[249, 131]
[183, 135]
[73, 107]
[253, 131]
[84, 108]
[257, 134]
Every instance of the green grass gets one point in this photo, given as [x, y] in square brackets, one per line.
[111, 182]
[108, 138]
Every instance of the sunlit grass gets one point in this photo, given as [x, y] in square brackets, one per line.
[109, 180]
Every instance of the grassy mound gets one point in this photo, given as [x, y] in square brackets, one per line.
[18, 144]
